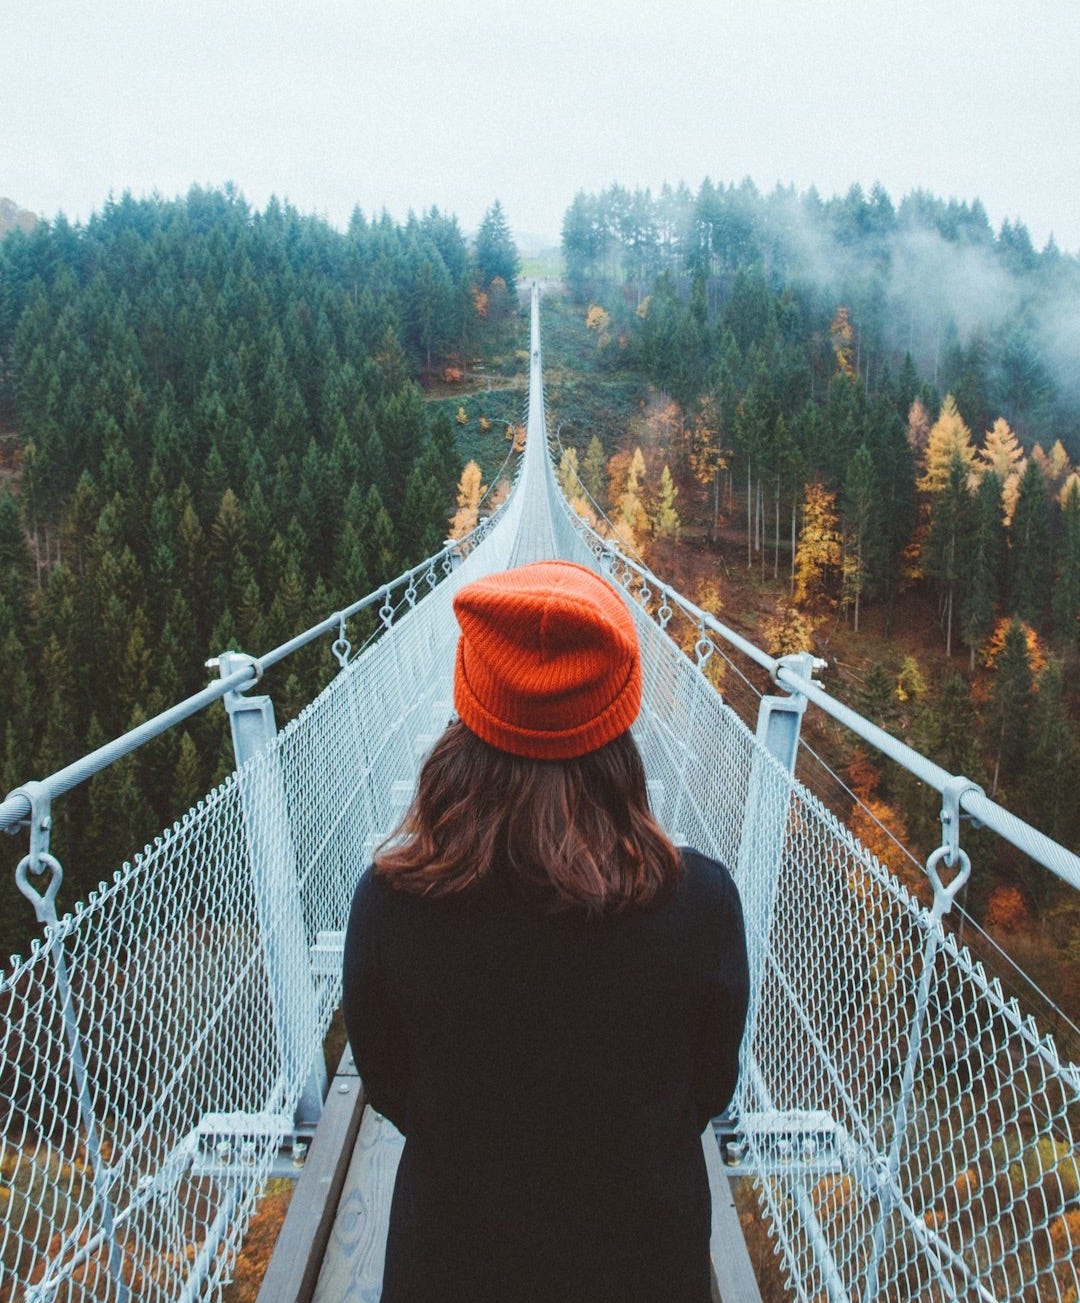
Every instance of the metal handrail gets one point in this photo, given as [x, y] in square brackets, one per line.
[15, 808]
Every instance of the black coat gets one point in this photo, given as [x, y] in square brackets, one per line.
[552, 1076]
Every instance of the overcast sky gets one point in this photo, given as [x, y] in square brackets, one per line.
[334, 104]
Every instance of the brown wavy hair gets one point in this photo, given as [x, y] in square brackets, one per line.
[578, 833]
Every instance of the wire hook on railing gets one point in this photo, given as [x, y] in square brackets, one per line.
[703, 648]
[950, 852]
[342, 646]
[39, 860]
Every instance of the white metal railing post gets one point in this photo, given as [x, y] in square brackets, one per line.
[761, 845]
[276, 885]
[761, 853]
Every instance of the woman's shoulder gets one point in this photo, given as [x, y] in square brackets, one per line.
[704, 878]
[373, 895]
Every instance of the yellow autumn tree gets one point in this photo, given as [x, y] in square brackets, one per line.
[842, 337]
[598, 321]
[1054, 465]
[568, 473]
[665, 516]
[949, 438]
[470, 491]
[788, 631]
[818, 553]
[703, 440]
[632, 521]
[918, 432]
[1002, 454]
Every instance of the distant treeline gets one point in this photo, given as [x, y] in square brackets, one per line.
[927, 285]
[211, 436]
[784, 329]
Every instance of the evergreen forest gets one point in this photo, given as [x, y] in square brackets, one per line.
[213, 434]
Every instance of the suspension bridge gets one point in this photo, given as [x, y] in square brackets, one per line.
[912, 1131]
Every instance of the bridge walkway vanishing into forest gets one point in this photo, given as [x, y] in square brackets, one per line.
[911, 1129]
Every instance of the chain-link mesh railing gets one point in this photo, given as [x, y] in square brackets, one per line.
[912, 1133]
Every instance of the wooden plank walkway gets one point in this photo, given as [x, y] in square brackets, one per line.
[294, 1268]
[353, 1263]
[332, 1245]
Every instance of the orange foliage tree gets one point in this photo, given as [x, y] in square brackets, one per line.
[470, 491]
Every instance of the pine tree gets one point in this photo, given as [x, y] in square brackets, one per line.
[1067, 583]
[349, 576]
[429, 301]
[17, 698]
[284, 620]
[862, 510]
[665, 517]
[376, 468]
[942, 731]
[16, 564]
[944, 552]
[985, 556]
[423, 517]
[876, 698]
[894, 468]
[592, 474]
[1051, 761]
[581, 241]
[442, 443]
[1010, 702]
[494, 251]
[1029, 555]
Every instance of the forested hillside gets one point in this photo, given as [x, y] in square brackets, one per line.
[211, 436]
[842, 424]
[865, 418]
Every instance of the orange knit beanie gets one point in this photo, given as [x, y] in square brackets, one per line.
[548, 665]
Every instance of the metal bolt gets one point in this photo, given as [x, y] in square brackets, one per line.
[343, 1088]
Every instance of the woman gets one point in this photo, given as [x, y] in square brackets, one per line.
[542, 993]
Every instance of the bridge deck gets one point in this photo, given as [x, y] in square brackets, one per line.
[330, 1249]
